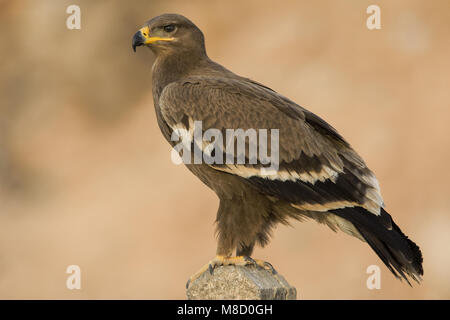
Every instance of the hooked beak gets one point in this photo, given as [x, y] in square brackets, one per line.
[142, 37]
[138, 40]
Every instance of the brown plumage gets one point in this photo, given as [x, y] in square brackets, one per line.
[319, 176]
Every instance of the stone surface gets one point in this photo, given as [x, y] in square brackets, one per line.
[239, 282]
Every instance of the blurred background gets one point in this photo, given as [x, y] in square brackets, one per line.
[86, 176]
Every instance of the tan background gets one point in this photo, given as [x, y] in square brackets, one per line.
[86, 177]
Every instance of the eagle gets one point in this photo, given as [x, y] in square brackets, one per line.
[318, 175]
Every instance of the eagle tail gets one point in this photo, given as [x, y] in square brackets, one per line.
[401, 255]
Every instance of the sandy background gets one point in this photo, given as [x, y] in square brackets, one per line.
[86, 177]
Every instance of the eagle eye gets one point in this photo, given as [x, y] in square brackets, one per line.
[169, 28]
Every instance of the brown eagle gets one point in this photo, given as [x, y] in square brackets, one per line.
[318, 174]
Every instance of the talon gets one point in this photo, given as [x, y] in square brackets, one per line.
[187, 283]
[266, 266]
[211, 269]
[271, 268]
[250, 259]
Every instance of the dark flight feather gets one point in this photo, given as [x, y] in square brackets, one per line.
[402, 256]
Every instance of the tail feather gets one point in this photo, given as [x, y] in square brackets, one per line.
[401, 255]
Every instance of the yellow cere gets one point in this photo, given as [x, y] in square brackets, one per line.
[145, 31]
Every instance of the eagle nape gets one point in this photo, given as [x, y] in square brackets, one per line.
[319, 175]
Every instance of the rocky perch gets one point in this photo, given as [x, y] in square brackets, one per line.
[240, 282]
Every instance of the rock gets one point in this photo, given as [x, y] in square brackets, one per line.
[240, 282]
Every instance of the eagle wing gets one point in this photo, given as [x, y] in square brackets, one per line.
[317, 169]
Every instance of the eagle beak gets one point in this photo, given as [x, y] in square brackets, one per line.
[138, 40]
[142, 37]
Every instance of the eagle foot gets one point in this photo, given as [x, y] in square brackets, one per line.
[227, 261]
[265, 265]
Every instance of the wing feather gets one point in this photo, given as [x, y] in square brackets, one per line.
[318, 169]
